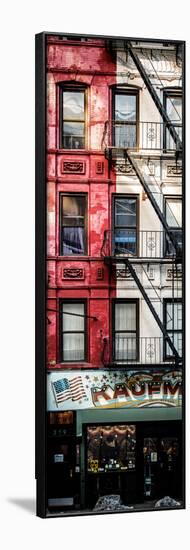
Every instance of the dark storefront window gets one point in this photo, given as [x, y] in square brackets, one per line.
[173, 213]
[72, 119]
[73, 331]
[125, 118]
[173, 106]
[73, 224]
[125, 336]
[111, 448]
[173, 325]
[125, 225]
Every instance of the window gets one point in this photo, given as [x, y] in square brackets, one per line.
[125, 117]
[173, 106]
[73, 331]
[125, 334]
[125, 225]
[173, 214]
[72, 116]
[173, 325]
[73, 224]
[111, 448]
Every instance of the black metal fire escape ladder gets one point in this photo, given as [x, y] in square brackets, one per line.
[145, 186]
[151, 307]
[128, 154]
[170, 127]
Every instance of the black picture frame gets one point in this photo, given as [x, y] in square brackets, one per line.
[40, 266]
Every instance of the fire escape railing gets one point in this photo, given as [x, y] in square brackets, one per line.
[145, 245]
[171, 127]
[151, 350]
[140, 135]
[125, 139]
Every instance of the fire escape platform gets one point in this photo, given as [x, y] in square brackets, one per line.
[112, 153]
[111, 260]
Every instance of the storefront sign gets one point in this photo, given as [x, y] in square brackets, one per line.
[114, 389]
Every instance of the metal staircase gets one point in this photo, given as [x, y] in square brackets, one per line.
[129, 265]
[170, 127]
[150, 187]
[151, 196]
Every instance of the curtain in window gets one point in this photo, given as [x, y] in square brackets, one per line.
[125, 332]
[73, 332]
[125, 112]
[73, 220]
[73, 240]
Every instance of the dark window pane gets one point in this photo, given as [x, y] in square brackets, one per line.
[125, 107]
[73, 105]
[73, 240]
[170, 249]
[125, 241]
[125, 212]
[173, 325]
[176, 338]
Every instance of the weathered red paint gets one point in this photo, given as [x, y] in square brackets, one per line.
[89, 63]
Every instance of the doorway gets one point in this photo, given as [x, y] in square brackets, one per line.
[160, 460]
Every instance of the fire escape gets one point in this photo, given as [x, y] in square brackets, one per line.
[147, 247]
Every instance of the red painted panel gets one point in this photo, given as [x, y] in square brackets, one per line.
[87, 172]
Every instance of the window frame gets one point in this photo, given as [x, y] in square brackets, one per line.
[114, 227]
[169, 93]
[75, 87]
[67, 194]
[174, 198]
[173, 331]
[137, 331]
[61, 332]
[125, 91]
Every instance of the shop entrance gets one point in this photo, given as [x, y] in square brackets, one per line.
[110, 462]
[63, 485]
[141, 462]
[159, 468]
[161, 457]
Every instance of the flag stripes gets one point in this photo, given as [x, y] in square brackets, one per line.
[64, 389]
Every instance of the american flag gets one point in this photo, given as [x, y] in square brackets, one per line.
[68, 389]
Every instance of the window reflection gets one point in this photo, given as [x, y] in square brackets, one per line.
[73, 119]
[173, 104]
[173, 209]
[125, 119]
